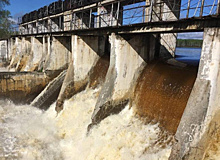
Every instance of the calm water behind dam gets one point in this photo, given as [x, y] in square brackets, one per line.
[189, 55]
[27, 133]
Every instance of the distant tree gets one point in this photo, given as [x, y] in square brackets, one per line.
[5, 22]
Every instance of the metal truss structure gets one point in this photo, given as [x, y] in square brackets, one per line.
[113, 13]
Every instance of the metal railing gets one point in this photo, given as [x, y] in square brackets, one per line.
[121, 13]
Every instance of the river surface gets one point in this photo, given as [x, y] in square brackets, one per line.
[190, 56]
[27, 133]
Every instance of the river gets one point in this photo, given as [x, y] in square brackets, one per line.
[190, 56]
[28, 133]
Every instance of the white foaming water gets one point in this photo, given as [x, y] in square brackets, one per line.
[28, 133]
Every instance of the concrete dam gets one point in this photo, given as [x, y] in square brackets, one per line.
[100, 80]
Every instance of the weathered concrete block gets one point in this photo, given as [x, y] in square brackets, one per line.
[22, 87]
[59, 53]
[192, 134]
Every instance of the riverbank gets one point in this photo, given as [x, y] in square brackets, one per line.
[189, 43]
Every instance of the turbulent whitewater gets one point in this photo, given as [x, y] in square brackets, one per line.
[28, 133]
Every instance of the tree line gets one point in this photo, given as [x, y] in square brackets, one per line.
[189, 43]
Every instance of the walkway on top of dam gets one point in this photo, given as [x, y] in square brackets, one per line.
[125, 17]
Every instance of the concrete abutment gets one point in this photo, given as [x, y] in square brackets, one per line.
[22, 87]
[195, 131]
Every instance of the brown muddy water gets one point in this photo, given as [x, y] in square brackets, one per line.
[162, 93]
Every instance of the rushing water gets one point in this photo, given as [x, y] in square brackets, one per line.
[28, 133]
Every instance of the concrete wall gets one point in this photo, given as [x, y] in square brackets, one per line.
[196, 129]
[129, 55]
[86, 51]
[22, 87]
[59, 53]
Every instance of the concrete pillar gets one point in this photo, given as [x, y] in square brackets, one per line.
[129, 55]
[86, 51]
[199, 121]
[59, 51]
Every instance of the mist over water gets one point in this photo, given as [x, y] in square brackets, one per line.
[28, 133]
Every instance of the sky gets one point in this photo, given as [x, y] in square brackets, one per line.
[190, 35]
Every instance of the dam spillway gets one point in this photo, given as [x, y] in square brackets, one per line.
[110, 89]
[162, 93]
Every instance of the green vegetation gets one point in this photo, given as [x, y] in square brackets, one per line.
[5, 22]
[191, 43]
